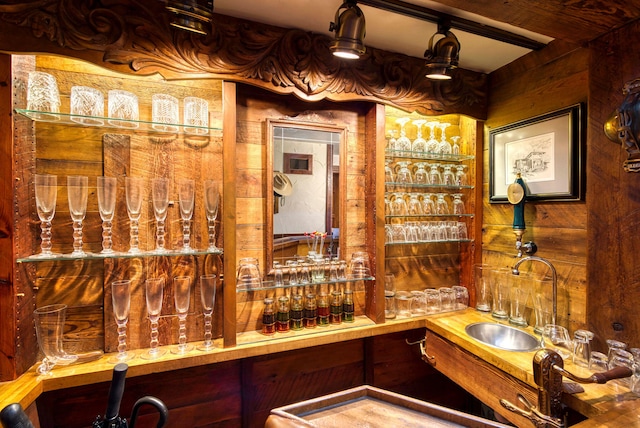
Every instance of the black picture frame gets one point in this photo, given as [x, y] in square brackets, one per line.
[548, 150]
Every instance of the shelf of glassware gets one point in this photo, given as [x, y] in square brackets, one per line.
[443, 241]
[409, 154]
[114, 123]
[426, 186]
[268, 285]
[414, 216]
[117, 255]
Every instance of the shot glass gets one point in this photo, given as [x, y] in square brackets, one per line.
[196, 116]
[42, 96]
[165, 112]
[87, 106]
[123, 105]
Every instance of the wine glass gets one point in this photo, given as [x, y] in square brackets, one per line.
[181, 298]
[186, 193]
[403, 143]
[455, 149]
[106, 204]
[160, 198]
[211, 206]
[432, 143]
[444, 147]
[46, 187]
[419, 145]
[121, 298]
[134, 187]
[391, 141]
[208, 298]
[154, 291]
[78, 192]
[448, 177]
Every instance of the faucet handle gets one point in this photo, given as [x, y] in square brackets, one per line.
[532, 413]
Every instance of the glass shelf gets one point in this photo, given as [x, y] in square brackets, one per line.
[136, 125]
[426, 215]
[268, 285]
[116, 255]
[447, 241]
[408, 154]
[426, 186]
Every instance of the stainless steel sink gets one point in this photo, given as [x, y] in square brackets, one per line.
[502, 336]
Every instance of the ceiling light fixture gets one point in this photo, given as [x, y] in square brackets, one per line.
[442, 57]
[191, 15]
[350, 30]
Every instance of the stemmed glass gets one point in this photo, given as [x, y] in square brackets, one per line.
[432, 143]
[46, 187]
[211, 206]
[78, 192]
[134, 187]
[121, 298]
[391, 142]
[419, 145]
[160, 198]
[106, 204]
[444, 148]
[455, 149]
[208, 298]
[154, 290]
[186, 193]
[181, 297]
[403, 143]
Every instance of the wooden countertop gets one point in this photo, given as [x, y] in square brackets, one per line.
[605, 405]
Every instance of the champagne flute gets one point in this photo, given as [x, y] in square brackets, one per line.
[186, 193]
[160, 197]
[134, 187]
[46, 187]
[211, 205]
[154, 288]
[181, 296]
[121, 299]
[208, 298]
[107, 187]
[78, 192]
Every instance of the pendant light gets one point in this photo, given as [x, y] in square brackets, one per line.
[191, 15]
[350, 30]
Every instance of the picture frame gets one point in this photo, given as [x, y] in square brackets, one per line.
[548, 152]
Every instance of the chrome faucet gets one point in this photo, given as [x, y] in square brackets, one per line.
[515, 271]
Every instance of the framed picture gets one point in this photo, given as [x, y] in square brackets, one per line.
[546, 150]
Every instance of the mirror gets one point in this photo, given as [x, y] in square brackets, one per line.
[305, 193]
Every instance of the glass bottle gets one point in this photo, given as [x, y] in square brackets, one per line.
[282, 317]
[310, 311]
[296, 312]
[335, 315]
[323, 309]
[268, 317]
[348, 307]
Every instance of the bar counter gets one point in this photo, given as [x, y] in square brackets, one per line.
[604, 405]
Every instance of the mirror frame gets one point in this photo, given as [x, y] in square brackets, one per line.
[342, 177]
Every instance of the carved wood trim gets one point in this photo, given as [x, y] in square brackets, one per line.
[134, 36]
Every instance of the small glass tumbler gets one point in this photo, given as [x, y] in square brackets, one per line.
[500, 288]
[165, 112]
[403, 304]
[196, 116]
[556, 338]
[482, 277]
[462, 296]
[622, 359]
[433, 301]
[123, 105]
[517, 304]
[598, 362]
[87, 106]
[582, 347]
[389, 304]
[447, 298]
[43, 96]
[614, 346]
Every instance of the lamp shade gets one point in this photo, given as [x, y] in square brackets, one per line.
[350, 29]
[191, 15]
[443, 56]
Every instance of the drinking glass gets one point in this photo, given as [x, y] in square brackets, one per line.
[403, 304]
[186, 194]
[403, 143]
[582, 347]
[435, 177]
[87, 105]
[123, 105]
[49, 322]
[462, 296]
[433, 301]
[160, 198]
[134, 187]
[165, 112]
[154, 292]
[421, 176]
[208, 299]
[598, 362]
[46, 189]
[196, 116]
[388, 172]
[518, 300]
[248, 275]
[447, 298]
[43, 96]
[500, 293]
[458, 204]
[181, 298]
[107, 187]
[211, 206]
[461, 175]
[455, 149]
[78, 192]
[419, 145]
[444, 147]
[556, 338]
[483, 287]
[121, 298]
[432, 143]
[442, 206]
[359, 266]
[403, 173]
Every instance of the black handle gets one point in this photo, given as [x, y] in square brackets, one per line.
[13, 416]
[115, 392]
[155, 402]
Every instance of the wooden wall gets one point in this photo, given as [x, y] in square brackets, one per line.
[538, 83]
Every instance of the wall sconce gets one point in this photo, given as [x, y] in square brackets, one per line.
[350, 30]
[191, 15]
[443, 57]
[623, 126]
